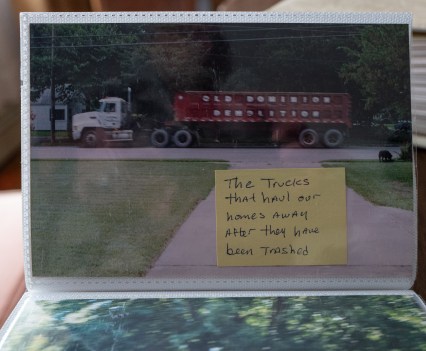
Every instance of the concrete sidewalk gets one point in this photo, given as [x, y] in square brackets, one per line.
[379, 245]
[380, 239]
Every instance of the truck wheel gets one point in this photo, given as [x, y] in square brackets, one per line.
[333, 138]
[182, 138]
[160, 138]
[308, 138]
[90, 138]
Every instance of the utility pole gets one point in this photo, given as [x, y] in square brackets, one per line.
[52, 90]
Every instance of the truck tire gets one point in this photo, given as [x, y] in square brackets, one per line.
[160, 138]
[308, 138]
[182, 138]
[91, 138]
[333, 138]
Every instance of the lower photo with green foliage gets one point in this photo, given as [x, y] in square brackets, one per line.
[375, 322]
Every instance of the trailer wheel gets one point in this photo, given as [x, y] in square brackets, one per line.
[333, 138]
[160, 138]
[308, 138]
[90, 138]
[182, 138]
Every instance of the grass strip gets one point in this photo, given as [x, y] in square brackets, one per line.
[110, 218]
[382, 183]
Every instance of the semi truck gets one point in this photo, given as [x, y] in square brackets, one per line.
[106, 124]
[312, 118]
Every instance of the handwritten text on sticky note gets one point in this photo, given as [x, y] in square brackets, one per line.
[276, 217]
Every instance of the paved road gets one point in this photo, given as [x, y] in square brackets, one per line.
[276, 156]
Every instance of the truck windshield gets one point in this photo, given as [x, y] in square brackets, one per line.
[106, 107]
[101, 107]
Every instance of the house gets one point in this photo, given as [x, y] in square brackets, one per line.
[41, 112]
[40, 117]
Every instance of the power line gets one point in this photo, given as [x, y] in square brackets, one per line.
[287, 59]
[220, 30]
[186, 42]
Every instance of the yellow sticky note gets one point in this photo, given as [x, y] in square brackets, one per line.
[277, 217]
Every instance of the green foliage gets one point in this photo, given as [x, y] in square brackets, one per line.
[406, 153]
[379, 66]
[157, 60]
[87, 58]
[110, 218]
[289, 57]
[370, 323]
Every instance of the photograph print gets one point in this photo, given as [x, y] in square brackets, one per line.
[122, 173]
[374, 322]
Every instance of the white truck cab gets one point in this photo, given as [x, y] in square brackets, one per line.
[103, 125]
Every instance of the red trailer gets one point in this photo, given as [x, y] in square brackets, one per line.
[311, 117]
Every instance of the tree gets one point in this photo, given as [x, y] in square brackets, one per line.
[379, 67]
[371, 323]
[290, 57]
[74, 59]
[171, 58]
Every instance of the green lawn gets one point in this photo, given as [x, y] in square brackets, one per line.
[47, 133]
[382, 183]
[110, 218]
